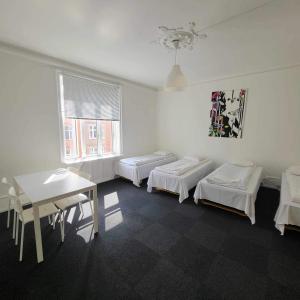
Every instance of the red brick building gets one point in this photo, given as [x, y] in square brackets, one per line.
[87, 138]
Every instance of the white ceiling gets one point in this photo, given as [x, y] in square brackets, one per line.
[114, 36]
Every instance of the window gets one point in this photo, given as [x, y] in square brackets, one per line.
[90, 112]
[92, 132]
[68, 132]
[69, 139]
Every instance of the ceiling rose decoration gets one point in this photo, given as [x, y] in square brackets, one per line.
[177, 39]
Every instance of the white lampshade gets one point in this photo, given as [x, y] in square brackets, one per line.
[176, 81]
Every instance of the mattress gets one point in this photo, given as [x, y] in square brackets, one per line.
[288, 212]
[178, 167]
[294, 186]
[144, 159]
[243, 200]
[138, 173]
[179, 184]
[231, 175]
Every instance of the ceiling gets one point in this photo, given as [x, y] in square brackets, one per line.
[114, 36]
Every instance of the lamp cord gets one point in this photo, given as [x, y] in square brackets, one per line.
[175, 43]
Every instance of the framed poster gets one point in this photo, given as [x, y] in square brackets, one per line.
[227, 113]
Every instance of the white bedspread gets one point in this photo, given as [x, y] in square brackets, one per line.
[138, 173]
[231, 175]
[144, 159]
[294, 185]
[178, 167]
[243, 200]
[288, 212]
[179, 184]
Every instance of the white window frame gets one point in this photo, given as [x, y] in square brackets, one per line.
[59, 73]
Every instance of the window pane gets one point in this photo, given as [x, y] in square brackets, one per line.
[92, 131]
[70, 138]
[106, 137]
[89, 140]
[116, 142]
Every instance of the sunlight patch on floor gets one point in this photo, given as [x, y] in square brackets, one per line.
[86, 232]
[87, 212]
[113, 219]
[110, 200]
[71, 214]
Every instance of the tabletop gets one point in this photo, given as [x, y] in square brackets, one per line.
[49, 185]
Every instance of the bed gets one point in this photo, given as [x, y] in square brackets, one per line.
[139, 167]
[288, 212]
[180, 176]
[232, 187]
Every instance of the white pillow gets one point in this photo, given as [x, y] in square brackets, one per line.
[164, 153]
[243, 163]
[194, 158]
[295, 170]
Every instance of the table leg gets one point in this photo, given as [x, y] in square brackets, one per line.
[96, 217]
[38, 235]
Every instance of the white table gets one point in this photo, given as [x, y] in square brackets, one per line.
[50, 186]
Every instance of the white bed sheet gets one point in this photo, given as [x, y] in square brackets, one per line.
[179, 184]
[288, 212]
[235, 198]
[138, 173]
[178, 167]
[232, 176]
[294, 186]
[144, 159]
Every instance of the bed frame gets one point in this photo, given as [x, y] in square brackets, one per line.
[224, 207]
[127, 179]
[167, 191]
[292, 227]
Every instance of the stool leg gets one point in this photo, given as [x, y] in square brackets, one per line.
[14, 226]
[81, 209]
[53, 221]
[17, 230]
[8, 214]
[22, 240]
[61, 223]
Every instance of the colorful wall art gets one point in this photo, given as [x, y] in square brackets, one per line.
[227, 113]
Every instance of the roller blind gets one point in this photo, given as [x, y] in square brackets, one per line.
[88, 99]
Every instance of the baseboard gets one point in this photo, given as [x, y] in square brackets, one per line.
[101, 180]
[272, 182]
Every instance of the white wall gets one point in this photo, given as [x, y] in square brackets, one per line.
[271, 131]
[29, 120]
[29, 127]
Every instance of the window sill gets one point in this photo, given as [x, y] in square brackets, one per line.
[77, 161]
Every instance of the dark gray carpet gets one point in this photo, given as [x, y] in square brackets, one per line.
[152, 247]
